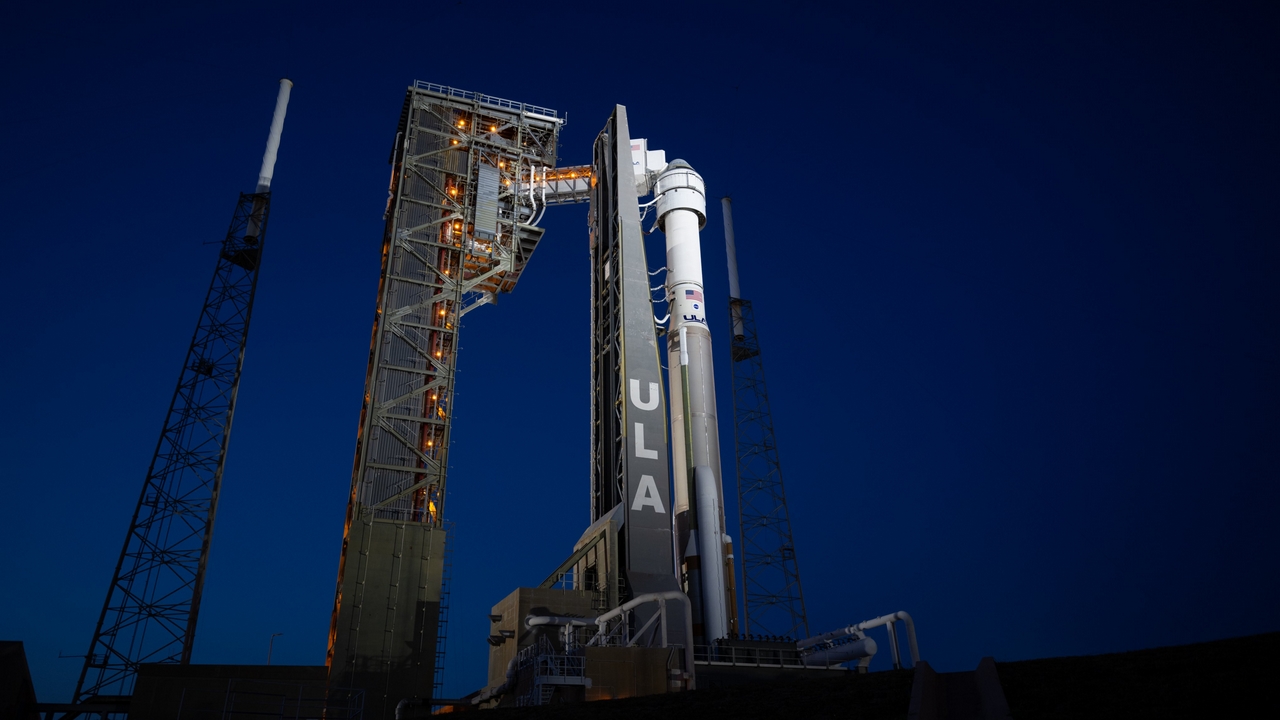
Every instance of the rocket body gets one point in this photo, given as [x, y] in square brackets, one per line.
[695, 441]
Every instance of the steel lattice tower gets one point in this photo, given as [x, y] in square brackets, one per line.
[460, 228]
[772, 597]
[153, 601]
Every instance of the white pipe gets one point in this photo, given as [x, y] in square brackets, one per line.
[715, 622]
[491, 693]
[273, 138]
[840, 654]
[867, 625]
[731, 250]
[731, 253]
[894, 651]
[536, 620]
[661, 598]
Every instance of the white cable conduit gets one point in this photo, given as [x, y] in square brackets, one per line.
[867, 625]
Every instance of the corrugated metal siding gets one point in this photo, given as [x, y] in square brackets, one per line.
[487, 201]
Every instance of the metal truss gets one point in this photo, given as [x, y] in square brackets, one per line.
[773, 599]
[154, 598]
[608, 438]
[459, 231]
[461, 221]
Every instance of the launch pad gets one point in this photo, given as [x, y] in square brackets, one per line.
[646, 602]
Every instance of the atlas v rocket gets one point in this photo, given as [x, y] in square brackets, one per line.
[700, 540]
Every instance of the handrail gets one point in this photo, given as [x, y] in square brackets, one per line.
[661, 598]
[867, 625]
[545, 112]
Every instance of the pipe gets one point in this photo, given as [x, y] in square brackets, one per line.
[661, 598]
[840, 654]
[867, 625]
[273, 138]
[491, 693]
[731, 254]
[715, 622]
[536, 620]
[731, 250]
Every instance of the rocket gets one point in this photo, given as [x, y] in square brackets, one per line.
[680, 195]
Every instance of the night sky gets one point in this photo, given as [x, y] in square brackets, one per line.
[1016, 270]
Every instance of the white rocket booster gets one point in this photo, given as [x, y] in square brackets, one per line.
[695, 441]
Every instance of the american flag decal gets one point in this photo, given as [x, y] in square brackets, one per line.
[693, 295]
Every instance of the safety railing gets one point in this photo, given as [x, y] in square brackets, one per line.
[560, 666]
[747, 656]
[485, 99]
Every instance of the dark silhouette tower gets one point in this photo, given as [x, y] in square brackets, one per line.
[772, 597]
[154, 598]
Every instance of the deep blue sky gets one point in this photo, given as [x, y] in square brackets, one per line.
[1015, 268]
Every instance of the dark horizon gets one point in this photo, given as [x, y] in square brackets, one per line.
[1014, 269]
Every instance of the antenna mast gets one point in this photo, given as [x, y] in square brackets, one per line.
[772, 598]
[154, 598]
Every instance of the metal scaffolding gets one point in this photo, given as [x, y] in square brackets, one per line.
[154, 599]
[463, 203]
[773, 599]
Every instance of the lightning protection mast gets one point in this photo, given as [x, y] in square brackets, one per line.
[772, 598]
[154, 598]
